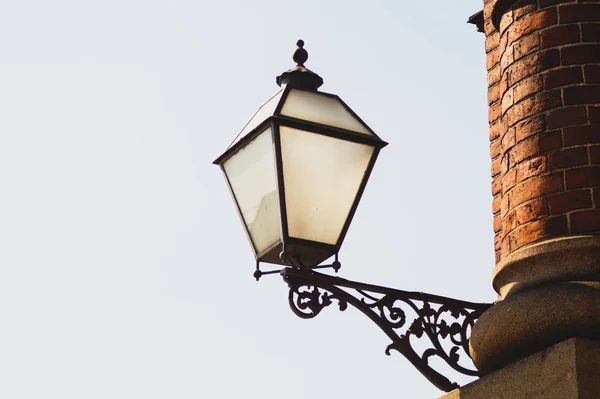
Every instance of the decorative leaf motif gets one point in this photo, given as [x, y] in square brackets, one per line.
[427, 311]
[455, 329]
[443, 329]
[454, 356]
[416, 328]
[307, 301]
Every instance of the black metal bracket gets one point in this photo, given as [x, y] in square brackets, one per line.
[442, 324]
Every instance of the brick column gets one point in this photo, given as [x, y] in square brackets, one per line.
[543, 62]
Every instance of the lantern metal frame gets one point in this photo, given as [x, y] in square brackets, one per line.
[283, 251]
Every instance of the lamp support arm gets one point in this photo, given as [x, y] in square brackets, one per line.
[444, 324]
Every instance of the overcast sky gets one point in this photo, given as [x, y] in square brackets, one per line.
[124, 270]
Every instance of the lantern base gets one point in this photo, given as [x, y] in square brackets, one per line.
[297, 253]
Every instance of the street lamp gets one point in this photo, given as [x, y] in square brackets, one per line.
[296, 172]
[298, 169]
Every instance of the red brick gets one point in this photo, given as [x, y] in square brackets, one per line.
[497, 223]
[532, 210]
[492, 58]
[491, 42]
[505, 248]
[497, 243]
[527, 87]
[526, 45]
[524, 7]
[590, 32]
[508, 57]
[509, 223]
[494, 112]
[540, 102]
[582, 177]
[592, 73]
[508, 140]
[503, 127]
[529, 127]
[569, 201]
[495, 169]
[581, 135]
[487, 9]
[504, 205]
[566, 116]
[580, 54]
[531, 23]
[594, 113]
[504, 82]
[536, 187]
[505, 20]
[579, 13]
[562, 77]
[569, 158]
[493, 76]
[546, 3]
[595, 155]
[560, 35]
[581, 95]
[495, 130]
[494, 94]
[585, 221]
[495, 148]
[531, 167]
[496, 185]
[509, 180]
[550, 59]
[533, 64]
[507, 100]
[537, 230]
[505, 164]
[536, 145]
[503, 43]
[496, 204]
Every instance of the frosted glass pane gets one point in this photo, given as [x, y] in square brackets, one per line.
[251, 173]
[265, 111]
[322, 176]
[323, 109]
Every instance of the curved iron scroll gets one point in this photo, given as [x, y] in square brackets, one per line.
[444, 323]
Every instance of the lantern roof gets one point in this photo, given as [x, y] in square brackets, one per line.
[299, 101]
[306, 105]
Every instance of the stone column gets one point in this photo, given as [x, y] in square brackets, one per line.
[543, 60]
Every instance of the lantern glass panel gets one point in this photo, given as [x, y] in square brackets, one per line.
[320, 108]
[252, 177]
[265, 111]
[322, 176]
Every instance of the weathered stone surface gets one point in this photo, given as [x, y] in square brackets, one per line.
[538, 318]
[573, 258]
[569, 370]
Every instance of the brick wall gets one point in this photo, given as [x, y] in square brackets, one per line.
[543, 62]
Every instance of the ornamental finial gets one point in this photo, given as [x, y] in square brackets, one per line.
[300, 77]
[300, 55]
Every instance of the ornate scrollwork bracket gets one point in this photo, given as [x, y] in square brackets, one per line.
[442, 324]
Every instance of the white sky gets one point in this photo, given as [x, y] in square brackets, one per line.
[124, 270]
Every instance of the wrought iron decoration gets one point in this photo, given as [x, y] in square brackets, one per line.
[443, 323]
